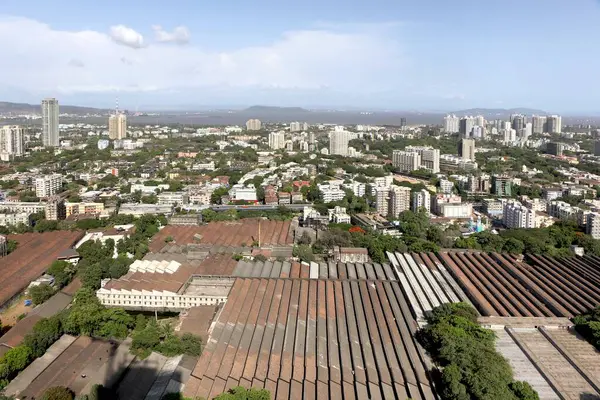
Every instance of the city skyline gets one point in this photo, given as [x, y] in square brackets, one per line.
[168, 57]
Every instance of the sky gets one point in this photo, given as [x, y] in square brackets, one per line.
[421, 55]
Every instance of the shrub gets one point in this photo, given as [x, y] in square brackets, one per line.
[58, 393]
[41, 293]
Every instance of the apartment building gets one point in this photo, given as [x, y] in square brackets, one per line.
[421, 199]
[83, 208]
[399, 200]
[430, 157]
[406, 161]
[14, 219]
[49, 185]
[173, 198]
[593, 225]
[11, 142]
[382, 198]
[516, 215]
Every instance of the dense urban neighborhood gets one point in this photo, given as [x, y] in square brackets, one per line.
[283, 259]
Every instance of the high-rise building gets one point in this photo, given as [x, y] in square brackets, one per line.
[402, 122]
[50, 114]
[117, 126]
[516, 215]
[399, 200]
[466, 125]
[421, 199]
[11, 142]
[592, 227]
[338, 142]
[518, 122]
[406, 161]
[538, 123]
[277, 140]
[295, 127]
[466, 149]
[253, 125]
[480, 121]
[48, 185]
[597, 148]
[451, 124]
[430, 157]
[527, 131]
[55, 209]
[554, 124]
[382, 197]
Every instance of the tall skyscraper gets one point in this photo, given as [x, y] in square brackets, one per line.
[480, 121]
[451, 124]
[554, 124]
[466, 126]
[277, 140]
[518, 122]
[466, 149]
[402, 122]
[117, 126]
[430, 157]
[295, 127]
[338, 142]
[399, 200]
[50, 122]
[11, 142]
[538, 123]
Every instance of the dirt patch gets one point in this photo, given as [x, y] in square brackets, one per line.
[10, 316]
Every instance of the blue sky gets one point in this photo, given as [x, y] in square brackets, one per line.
[399, 55]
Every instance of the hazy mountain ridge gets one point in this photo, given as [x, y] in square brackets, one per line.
[24, 108]
[500, 112]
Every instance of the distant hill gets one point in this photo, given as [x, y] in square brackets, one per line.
[24, 108]
[272, 109]
[499, 112]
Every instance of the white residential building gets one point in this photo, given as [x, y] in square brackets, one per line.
[406, 161]
[48, 185]
[338, 215]
[331, 193]
[241, 192]
[277, 140]
[382, 200]
[430, 157]
[456, 210]
[14, 219]
[421, 199]
[399, 200]
[173, 198]
[516, 215]
[338, 142]
[592, 226]
[446, 186]
[451, 124]
[253, 125]
[11, 142]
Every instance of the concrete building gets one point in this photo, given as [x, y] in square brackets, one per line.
[597, 148]
[298, 126]
[479, 183]
[516, 215]
[338, 142]
[441, 199]
[451, 163]
[555, 148]
[517, 122]
[451, 124]
[50, 113]
[11, 142]
[253, 125]
[456, 210]
[421, 199]
[538, 123]
[55, 209]
[277, 140]
[173, 198]
[466, 149]
[24, 207]
[399, 200]
[338, 215]
[83, 208]
[493, 207]
[117, 126]
[331, 193]
[49, 185]
[138, 210]
[430, 157]
[592, 226]
[382, 198]
[551, 193]
[240, 192]
[501, 186]
[466, 125]
[554, 124]
[14, 219]
[446, 186]
[406, 161]
[562, 210]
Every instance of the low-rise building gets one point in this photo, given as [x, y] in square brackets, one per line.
[493, 207]
[82, 208]
[145, 209]
[240, 192]
[338, 215]
[173, 198]
[456, 210]
[14, 219]
[351, 255]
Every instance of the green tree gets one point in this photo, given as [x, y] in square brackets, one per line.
[17, 358]
[241, 393]
[62, 272]
[304, 253]
[44, 333]
[41, 293]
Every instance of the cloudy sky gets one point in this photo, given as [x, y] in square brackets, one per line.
[393, 54]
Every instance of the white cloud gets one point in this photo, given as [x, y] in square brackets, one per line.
[180, 35]
[357, 62]
[126, 36]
